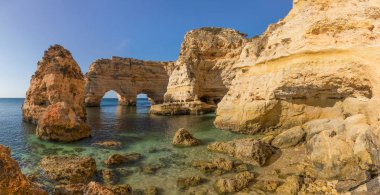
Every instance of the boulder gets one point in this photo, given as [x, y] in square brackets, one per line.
[182, 137]
[186, 182]
[109, 176]
[250, 150]
[108, 144]
[232, 185]
[119, 159]
[97, 188]
[12, 181]
[55, 98]
[219, 164]
[289, 138]
[291, 186]
[60, 123]
[70, 189]
[68, 169]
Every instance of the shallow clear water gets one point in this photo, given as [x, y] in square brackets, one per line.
[138, 131]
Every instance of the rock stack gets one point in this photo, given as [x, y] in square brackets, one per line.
[55, 99]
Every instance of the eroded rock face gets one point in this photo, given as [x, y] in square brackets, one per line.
[205, 67]
[12, 181]
[68, 169]
[303, 69]
[55, 98]
[127, 77]
[182, 137]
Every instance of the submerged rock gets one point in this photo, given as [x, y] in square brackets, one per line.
[55, 98]
[108, 144]
[70, 189]
[184, 138]
[119, 159]
[96, 188]
[186, 182]
[12, 181]
[217, 166]
[109, 176]
[68, 169]
[151, 190]
[250, 150]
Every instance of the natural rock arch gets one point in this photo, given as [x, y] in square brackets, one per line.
[127, 77]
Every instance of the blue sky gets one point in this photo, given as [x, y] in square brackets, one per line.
[92, 29]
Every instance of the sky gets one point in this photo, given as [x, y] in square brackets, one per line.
[93, 29]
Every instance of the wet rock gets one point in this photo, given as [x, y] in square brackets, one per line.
[96, 188]
[289, 138]
[150, 168]
[184, 138]
[109, 176]
[267, 185]
[55, 98]
[230, 185]
[119, 159]
[68, 169]
[291, 186]
[186, 182]
[151, 190]
[59, 123]
[223, 164]
[12, 181]
[70, 189]
[217, 166]
[155, 150]
[251, 150]
[109, 144]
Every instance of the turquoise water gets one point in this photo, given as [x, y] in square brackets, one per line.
[138, 131]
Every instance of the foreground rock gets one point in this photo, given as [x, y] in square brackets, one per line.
[120, 159]
[344, 149]
[68, 169]
[12, 181]
[55, 98]
[289, 138]
[127, 77]
[232, 185]
[250, 150]
[96, 188]
[182, 137]
[185, 183]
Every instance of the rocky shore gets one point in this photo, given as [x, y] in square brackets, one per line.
[308, 88]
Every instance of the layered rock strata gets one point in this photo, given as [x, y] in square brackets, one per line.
[55, 98]
[204, 70]
[318, 62]
[127, 77]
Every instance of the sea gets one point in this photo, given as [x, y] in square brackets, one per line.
[139, 131]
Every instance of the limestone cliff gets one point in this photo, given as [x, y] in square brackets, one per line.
[57, 87]
[204, 70]
[320, 61]
[127, 77]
